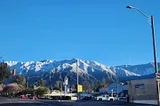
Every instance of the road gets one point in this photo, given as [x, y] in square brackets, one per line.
[27, 102]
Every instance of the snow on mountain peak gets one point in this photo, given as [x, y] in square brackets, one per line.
[84, 67]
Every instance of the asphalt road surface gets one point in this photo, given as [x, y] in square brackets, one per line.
[27, 102]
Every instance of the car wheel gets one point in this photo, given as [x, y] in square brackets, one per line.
[111, 100]
[100, 99]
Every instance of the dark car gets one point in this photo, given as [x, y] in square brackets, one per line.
[88, 98]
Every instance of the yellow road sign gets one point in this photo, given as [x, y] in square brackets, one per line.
[80, 88]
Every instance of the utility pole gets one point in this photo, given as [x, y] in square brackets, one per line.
[77, 79]
[27, 80]
[50, 79]
[117, 82]
[155, 59]
[61, 86]
[117, 89]
[154, 45]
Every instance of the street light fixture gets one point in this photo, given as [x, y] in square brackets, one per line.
[151, 18]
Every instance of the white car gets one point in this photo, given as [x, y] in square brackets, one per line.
[105, 97]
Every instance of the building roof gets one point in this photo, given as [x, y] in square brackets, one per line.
[138, 77]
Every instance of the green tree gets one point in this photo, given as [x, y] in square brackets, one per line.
[41, 91]
[19, 79]
[29, 91]
[4, 72]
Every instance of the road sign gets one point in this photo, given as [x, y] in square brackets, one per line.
[80, 88]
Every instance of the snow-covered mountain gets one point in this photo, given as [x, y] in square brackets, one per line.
[87, 70]
[122, 72]
[134, 70]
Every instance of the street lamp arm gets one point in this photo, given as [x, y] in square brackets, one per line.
[131, 7]
[142, 12]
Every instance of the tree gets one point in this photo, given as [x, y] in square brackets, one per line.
[13, 88]
[19, 79]
[41, 91]
[29, 91]
[4, 72]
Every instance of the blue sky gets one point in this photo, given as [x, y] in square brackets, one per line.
[101, 30]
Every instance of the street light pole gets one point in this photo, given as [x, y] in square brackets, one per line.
[155, 58]
[77, 79]
[154, 48]
[154, 45]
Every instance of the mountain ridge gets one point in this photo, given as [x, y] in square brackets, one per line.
[88, 70]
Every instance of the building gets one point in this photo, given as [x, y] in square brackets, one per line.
[143, 89]
[117, 88]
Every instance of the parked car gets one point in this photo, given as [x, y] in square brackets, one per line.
[105, 97]
[29, 96]
[87, 98]
[122, 98]
[32, 97]
[23, 96]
